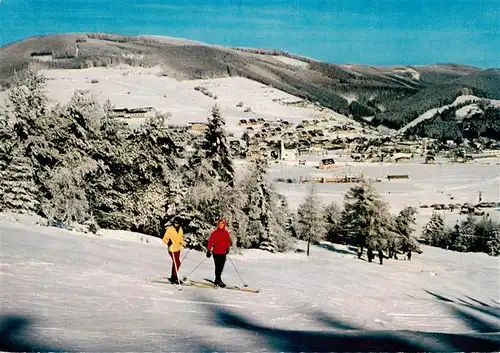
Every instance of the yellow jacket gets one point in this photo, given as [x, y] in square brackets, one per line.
[176, 237]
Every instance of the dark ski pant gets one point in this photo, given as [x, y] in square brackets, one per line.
[219, 261]
[175, 257]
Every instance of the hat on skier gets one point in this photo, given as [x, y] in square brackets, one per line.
[223, 220]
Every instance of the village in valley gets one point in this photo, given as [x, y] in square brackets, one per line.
[326, 150]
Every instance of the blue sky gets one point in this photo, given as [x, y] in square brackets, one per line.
[377, 32]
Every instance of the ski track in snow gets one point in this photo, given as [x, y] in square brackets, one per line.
[93, 293]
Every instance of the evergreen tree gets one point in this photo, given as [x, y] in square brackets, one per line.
[466, 235]
[484, 232]
[6, 143]
[210, 201]
[311, 225]
[493, 242]
[215, 149]
[19, 191]
[266, 213]
[281, 230]
[146, 209]
[365, 217]
[27, 101]
[434, 231]
[332, 214]
[32, 121]
[68, 203]
[181, 203]
[405, 223]
[108, 186]
[257, 207]
[152, 151]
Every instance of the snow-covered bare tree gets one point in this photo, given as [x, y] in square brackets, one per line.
[19, 191]
[215, 149]
[311, 225]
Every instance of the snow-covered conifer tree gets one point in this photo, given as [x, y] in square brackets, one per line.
[6, 143]
[493, 242]
[263, 214]
[332, 214]
[19, 191]
[32, 120]
[434, 231]
[215, 149]
[486, 231]
[68, 201]
[365, 216]
[27, 102]
[146, 210]
[279, 235]
[404, 223]
[152, 150]
[466, 235]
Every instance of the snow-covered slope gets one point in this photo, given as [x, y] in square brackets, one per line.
[89, 293]
[431, 112]
[133, 87]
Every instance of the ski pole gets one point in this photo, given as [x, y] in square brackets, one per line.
[185, 277]
[244, 284]
[184, 258]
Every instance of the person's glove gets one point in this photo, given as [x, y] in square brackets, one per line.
[227, 251]
[209, 253]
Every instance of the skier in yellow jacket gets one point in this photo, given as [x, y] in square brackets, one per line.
[174, 239]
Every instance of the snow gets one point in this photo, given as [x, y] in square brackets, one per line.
[468, 111]
[427, 184]
[408, 71]
[87, 292]
[291, 61]
[133, 87]
[349, 97]
[431, 112]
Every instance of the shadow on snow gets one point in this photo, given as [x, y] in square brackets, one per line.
[16, 336]
[351, 338]
[16, 333]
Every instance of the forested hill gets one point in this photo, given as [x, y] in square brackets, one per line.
[393, 95]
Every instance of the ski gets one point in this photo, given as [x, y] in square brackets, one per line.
[243, 289]
[204, 284]
[184, 283]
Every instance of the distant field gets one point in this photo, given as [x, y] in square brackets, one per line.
[427, 185]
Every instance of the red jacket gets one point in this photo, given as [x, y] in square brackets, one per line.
[219, 240]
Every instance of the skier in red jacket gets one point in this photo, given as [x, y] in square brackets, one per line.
[219, 243]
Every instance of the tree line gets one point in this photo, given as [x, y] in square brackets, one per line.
[470, 235]
[75, 164]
